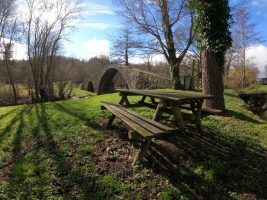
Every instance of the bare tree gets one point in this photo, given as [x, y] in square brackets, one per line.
[147, 56]
[244, 36]
[125, 45]
[159, 19]
[235, 74]
[8, 30]
[47, 23]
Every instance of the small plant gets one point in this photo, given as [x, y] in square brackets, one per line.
[88, 149]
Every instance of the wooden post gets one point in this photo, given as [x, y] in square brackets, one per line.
[124, 99]
[198, 114]
[131, 134]
[143, 99]
[159, 110]
[178, 115]
[142, 151]
[110, 121]
[153, 100]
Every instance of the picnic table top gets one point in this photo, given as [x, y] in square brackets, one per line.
[169, 95]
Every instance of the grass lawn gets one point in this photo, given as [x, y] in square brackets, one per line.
[77, 92]
[257, 87]
[59, 150]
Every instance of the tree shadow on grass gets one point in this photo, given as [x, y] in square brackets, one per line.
[8, 113]
[211, 165]
[47, 170]
[91, 122]
[72, 180]
[68, 111]
[17, 124]
[12, 123]
[231, 95]
[241, 116]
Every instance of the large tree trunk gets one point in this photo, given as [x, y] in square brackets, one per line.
[172, 59]
[212, 80]
[175, 75]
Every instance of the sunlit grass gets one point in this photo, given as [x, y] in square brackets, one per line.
[53, 150]
[256, 87]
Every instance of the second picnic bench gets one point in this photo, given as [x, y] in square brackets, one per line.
[146, 128]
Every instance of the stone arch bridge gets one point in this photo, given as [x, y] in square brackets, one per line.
[118, 76]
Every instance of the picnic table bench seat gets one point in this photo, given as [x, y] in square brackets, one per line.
[144, 127]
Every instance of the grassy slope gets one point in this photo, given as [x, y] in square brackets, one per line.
[77, 91]
[257, 87]
[59, 150]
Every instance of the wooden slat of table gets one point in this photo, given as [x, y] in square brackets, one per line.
[173, 96]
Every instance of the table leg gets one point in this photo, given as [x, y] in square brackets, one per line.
[159, 110]
[178, 115]
[110, 121]
[153, 101]
[198, 114]
[142, 151]
[142, 100]
[193, 107]
[124, 99]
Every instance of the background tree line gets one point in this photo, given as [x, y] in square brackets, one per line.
[42, 26]
[189, 34]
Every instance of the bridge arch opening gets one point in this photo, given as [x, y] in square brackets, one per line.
[90, 87]
[111, 80]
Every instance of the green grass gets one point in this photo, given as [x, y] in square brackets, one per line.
[78, 91]
[23, 90]
[59, 150]
[257, 87]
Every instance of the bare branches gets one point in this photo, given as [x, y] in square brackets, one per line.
[159, 19]
[47, 23]
[8, 30]
[244, 36]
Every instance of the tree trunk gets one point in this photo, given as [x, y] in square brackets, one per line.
[175, 75]
[11, 81]
[126, 57]
[212, 80]
[172, 59]
[14, 93]
[193, 76]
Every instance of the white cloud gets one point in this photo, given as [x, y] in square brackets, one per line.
[156, 58]
[48, 11]
[95, 9]
[19, 50]
[258, 55]
[95, 47]
[98, 25]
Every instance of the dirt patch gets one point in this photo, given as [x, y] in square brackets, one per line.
[115, 155]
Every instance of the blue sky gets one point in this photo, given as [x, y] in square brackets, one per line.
[93, 36]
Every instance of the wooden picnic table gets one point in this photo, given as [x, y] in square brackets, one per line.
[164, 101]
